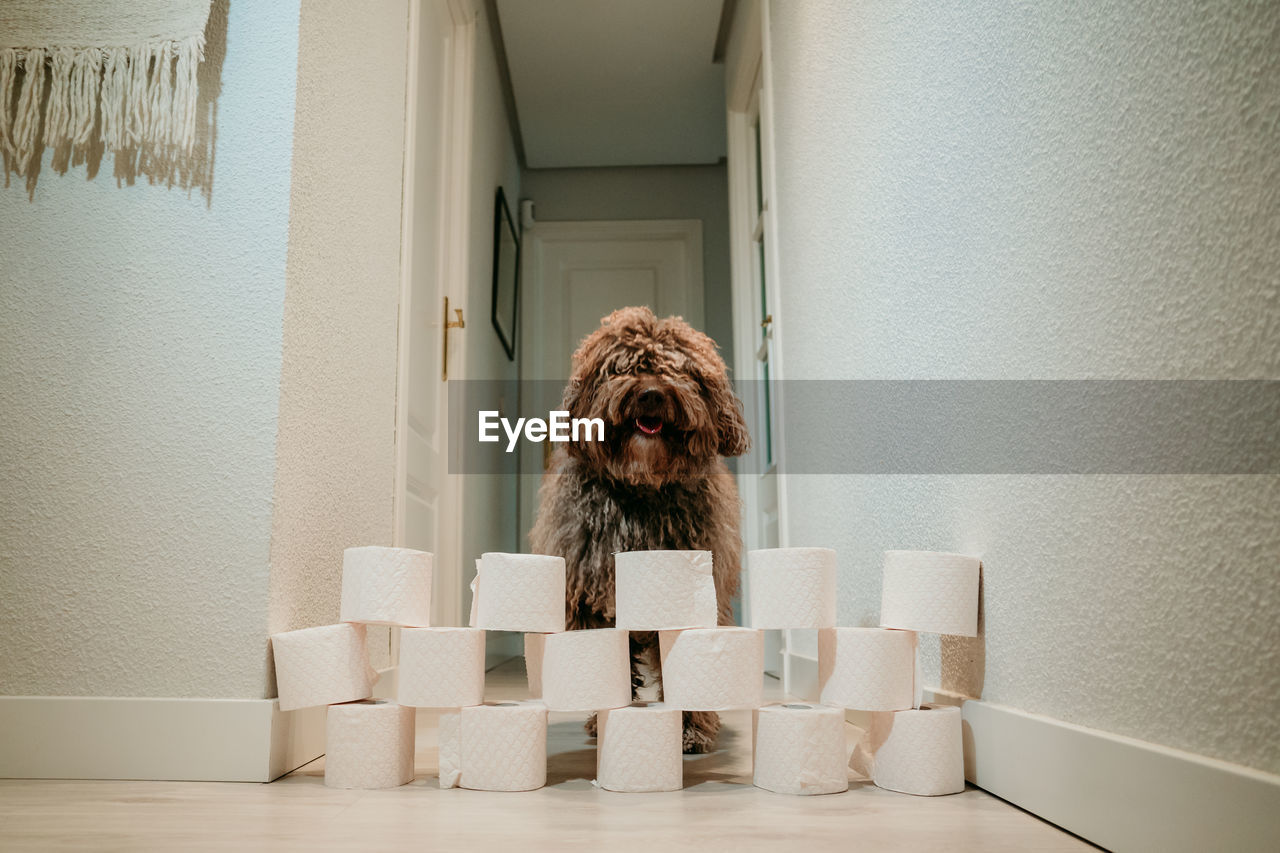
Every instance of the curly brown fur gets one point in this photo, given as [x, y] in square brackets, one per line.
[658, 480]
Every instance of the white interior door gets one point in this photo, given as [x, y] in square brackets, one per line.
[426, 516]
[575, 273]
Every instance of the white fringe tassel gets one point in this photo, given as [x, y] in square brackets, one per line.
[141, 97]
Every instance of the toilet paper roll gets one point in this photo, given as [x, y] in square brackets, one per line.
[322, 666]
[918, 752]
[521, 592]
[369, 745]
[640, 748]
[791, 588]
[931, 592]
[662, 590]
[499, 746]
[441, 667]
[799, 749]
[386, 586]
[586, 670]
[534, 652]
[871, 669]
[712, 669]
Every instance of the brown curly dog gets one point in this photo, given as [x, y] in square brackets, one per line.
[657, 481]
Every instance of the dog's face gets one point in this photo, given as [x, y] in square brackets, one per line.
[663, 393]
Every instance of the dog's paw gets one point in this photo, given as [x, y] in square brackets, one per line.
[590, 726]
[700, 730]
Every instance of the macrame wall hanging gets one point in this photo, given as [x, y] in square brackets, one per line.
[118, 72]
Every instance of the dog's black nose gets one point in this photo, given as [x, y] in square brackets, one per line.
[650, 400]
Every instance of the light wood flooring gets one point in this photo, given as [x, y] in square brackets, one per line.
[717, 810]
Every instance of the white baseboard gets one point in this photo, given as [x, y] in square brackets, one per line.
[1120, 793]
[93, 737]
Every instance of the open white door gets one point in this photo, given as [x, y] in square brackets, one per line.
[433, 270]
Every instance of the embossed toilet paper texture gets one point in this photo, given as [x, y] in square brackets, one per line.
[918, 752]
[441, 667]
[932, 592]
[322, 666]
[369, 745]
[639, 749]
[791, 588]
[586, 670]
[870, 669]
[386, 586]
[662, 590]
[494, 747]
[712, 669]
[520, 592]
[799, 749]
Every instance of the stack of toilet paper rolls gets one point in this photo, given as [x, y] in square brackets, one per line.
[705, 667]
[798, 748]
[368, 744]
[910, 747]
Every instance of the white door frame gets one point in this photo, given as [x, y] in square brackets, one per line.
[748, 72]
[453, 269]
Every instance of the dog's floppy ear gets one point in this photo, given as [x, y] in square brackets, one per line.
[732, 426]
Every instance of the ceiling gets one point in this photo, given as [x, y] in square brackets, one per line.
[615, 82]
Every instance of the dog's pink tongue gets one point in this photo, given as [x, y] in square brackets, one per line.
[649, 426]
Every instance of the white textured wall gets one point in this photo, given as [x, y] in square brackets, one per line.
[139, 379]
[335, 474]
[651, 192]
[992, 190]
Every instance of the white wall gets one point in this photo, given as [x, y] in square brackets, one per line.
[335, 467]
[651, 192]
[987, 190]
[489, 512]
[140, 340]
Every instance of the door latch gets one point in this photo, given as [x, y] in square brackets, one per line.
[449, 324]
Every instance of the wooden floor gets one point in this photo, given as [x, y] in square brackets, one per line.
[718, 809]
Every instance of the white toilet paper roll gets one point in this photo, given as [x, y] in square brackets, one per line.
[918, 752]
[871, 669]
[322, 666]
[521, 592]
[799, 749]
[930, 591]
[369, 745]
[441, 667]
[586, 670]
[712, 669]
[534, 651]
[500, 746]
[639, 748]
[386, 586]
[663, 590]
[791, 588]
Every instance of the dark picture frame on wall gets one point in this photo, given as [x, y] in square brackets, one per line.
[506, 274]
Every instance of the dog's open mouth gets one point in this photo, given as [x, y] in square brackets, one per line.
[649, 425]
